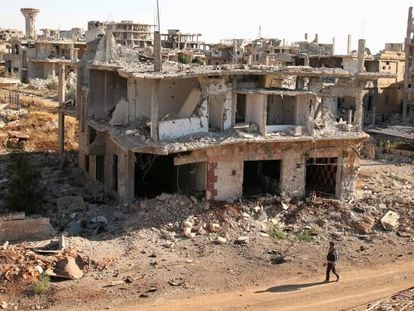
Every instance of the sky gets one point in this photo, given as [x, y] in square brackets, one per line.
[376, 21]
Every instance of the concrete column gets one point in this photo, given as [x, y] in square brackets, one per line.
[292, 175]
[61, 114]
[53, 70]
[361, 55]
[155, 102]
[359, 108]
[375, 102]
[108, 45]
[333, 46]
[306, 61]
[157, 52]
[349, 45]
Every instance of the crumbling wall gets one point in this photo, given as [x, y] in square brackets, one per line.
[173, 94]
[106, 90]
[172, 129]
[292, 175]
[139, 98]
[349, 174]
[219, 87]
[224, 180]
[18, 228]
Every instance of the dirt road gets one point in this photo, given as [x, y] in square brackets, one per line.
[356, 288]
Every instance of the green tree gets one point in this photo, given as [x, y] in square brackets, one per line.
[25, 191]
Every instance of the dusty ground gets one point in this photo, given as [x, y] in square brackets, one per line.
[285, 244]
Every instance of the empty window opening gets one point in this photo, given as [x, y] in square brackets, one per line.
[92, 135]
[321, 176]
[86, 164]
[156, 174]
[369, 103]
[100, 168]
[260, 177]
[115, 172]
[344, 105]
[241, 108]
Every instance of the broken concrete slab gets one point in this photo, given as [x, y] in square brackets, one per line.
[120, 114]
[390, 220]
[190, 104]
[26, 229]
[68, 268]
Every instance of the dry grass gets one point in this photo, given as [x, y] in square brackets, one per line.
[41, 124]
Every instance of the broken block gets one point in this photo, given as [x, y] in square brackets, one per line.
[390, 220]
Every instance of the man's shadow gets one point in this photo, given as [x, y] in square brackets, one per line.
[288, 288]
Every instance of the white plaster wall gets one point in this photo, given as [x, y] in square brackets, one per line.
[256, 110]
[172, 129]
[229, 183]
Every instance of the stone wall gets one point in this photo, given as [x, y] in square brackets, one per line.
[25, 229]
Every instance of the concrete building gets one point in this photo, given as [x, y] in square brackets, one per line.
[38, 57]
[222, 132]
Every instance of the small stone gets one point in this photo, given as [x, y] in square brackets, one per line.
[4, 305]
[242, 240]
[221, 240]
[100, 219]
[214, 227]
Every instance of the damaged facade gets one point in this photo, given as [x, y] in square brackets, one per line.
[222, 131]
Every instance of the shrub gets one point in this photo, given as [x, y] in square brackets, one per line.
[25, 191]
[42, 285]
[305, 236]
[277, 233]
[52, 83]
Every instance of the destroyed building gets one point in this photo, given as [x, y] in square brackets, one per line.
[175, 39]
[74, 34]
[130, 34]
[408, 103]
[222, 131]
[383, 99]
[38, 57]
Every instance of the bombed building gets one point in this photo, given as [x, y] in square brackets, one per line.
[222, 131]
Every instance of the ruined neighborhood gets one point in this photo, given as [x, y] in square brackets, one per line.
[152, 169]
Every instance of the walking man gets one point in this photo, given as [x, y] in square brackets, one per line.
[331, 258]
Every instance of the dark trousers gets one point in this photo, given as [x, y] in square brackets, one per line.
[331, 267]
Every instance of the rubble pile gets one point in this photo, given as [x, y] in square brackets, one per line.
[404, 300]
[10, 117]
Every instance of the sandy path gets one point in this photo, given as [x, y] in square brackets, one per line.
[356, 288]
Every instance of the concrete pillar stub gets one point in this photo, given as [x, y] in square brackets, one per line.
[155, 101]
[61, 114]
[361, 55]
